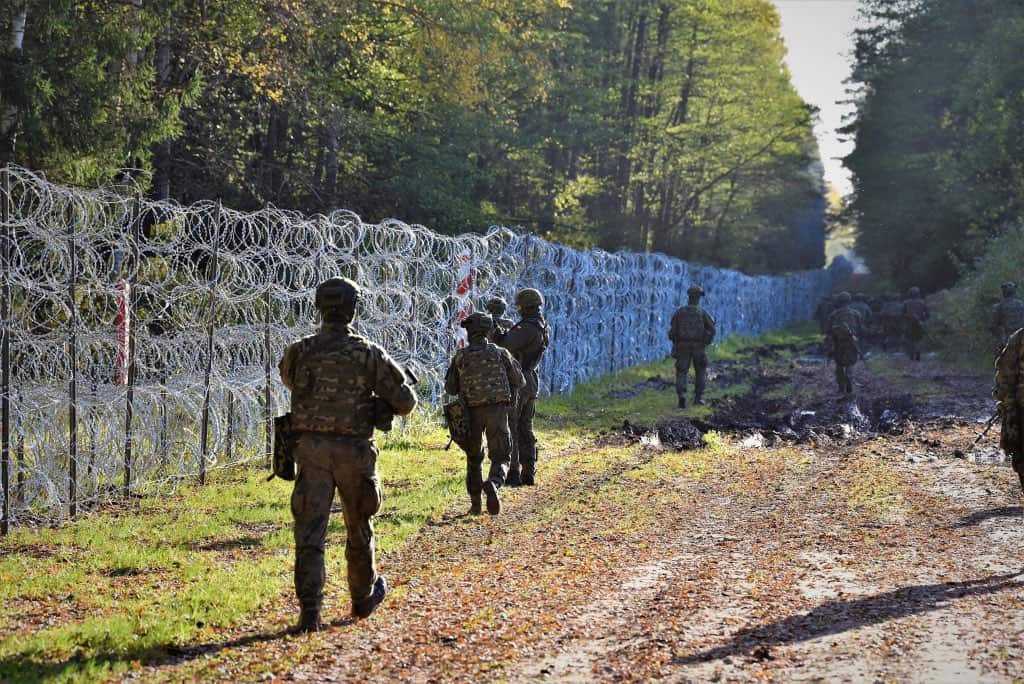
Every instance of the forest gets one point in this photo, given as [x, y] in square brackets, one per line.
[667, 126]
[939, 160]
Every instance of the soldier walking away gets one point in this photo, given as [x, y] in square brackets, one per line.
[892, 322]
[1007, 315]
[915, 313]
[340, 385]
[844, 325]
[691, 331]
[527, 341]
[496, 308]
[1009, 394]
[487, 379]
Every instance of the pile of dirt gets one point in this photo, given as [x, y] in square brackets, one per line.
[655, 382]
[677, 434]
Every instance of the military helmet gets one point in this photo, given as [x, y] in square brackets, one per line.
[1009, 289]
[915, 292]
[338, 293]
[529, 297]
[843, 299]
[860, 297]
[695, 290]
[496, 306]
[477, 323]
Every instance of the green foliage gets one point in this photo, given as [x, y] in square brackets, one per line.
[670, 126]
[939, 134]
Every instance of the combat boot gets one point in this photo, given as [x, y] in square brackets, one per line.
[366, 607]
[475, 506]
[309, 621]
[682, 402]
[513, 480]
[493, 502]
[527, 478]
[698, 400]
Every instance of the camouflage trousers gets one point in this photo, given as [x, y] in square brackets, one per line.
[524, 441]
[490, 421]
[687, 354]
[844, 377]
[326, 463]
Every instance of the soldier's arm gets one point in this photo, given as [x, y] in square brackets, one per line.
[287, 366]
[389, 382]
[451, 380]
[709, 326]
[516, 379]
[516, 340]
[996, 318]
[672, 327]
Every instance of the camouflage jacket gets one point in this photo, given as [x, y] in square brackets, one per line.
[527, 341]
[337, 378]
[484, 374]
[691, 325]
[501, 328]
[1009, 393]
[1007, 317]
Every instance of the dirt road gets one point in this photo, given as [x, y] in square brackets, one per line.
[812, 538]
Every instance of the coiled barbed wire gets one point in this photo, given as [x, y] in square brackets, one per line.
[188, 272]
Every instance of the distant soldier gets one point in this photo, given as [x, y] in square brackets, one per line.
[1007, 315]
[691, 331]
[339, 383]
[496, 308]
[487, 379]
[527, 341]
[822, 312]
[915, 313]
[844, 325]
[892, 322]
[1009, 394]
[861, 306]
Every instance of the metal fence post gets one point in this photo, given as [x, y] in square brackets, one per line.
[73, 384]
[212, 273]
[268, 416]
[129, 319]
[5, 360]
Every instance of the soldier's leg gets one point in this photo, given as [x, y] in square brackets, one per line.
[1018, 467]
[311, 508]
[355, 472]
[840, 376]
[513, 479]
[682, 370]
[475, 457]
[526, 439]
[700, 372]
[499, 443]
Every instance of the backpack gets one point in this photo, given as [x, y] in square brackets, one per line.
[456, 417]
[690, 325]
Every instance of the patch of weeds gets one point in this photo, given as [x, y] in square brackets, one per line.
[873, 487]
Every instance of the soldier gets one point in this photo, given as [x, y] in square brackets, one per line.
[527, 341]
[496, 308]
[861, 306]
[892, 322]
[488, 380]
[340, 385]
[915, 313]
[1009, 393]
[822, 312]
[1007, 315]
[691, 331]
[844, 325]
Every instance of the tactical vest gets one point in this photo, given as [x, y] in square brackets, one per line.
[1011, 315]
[892, 310]
[333, 390]
[844, 318]
[690, 325]
[916, 309]
[483, 379]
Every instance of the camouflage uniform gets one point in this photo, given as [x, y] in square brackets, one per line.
[861, 306]
[338, 382]
[691, 331]
[844, 326]
[892, 322]
[527, 341]
[915, 313]
[488, 379]
[1007, 315]
[496, 308]
[1009, 392]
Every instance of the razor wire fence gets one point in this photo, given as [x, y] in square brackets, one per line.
[140, 338]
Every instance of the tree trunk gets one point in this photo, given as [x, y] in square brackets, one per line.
[8, 106]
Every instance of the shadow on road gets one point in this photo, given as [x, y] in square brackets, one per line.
[836, 617]
[982, 516]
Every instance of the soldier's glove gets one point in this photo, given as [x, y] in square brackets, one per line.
[383, 415]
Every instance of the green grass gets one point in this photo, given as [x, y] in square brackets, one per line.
[100, 595]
